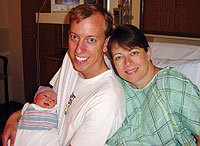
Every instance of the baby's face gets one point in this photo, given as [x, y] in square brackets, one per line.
[46, 99]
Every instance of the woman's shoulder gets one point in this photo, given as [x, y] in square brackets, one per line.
[170, 73]
[170, 78]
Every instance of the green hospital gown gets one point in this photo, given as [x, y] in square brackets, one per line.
[165, 112]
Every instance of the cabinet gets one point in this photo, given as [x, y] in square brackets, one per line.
[50, 44]
[50, 49]
[170, 17]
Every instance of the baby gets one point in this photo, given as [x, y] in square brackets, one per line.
[38, 123]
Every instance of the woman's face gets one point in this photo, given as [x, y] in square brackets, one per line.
[132, 64]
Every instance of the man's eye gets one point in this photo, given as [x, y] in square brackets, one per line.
[45, 95]
[74, 37]
[91, 40]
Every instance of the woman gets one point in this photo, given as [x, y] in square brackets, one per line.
[163, 105]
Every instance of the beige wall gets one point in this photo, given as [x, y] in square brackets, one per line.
[11, 46]
[136, 12]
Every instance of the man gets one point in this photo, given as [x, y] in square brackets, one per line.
[90, 98]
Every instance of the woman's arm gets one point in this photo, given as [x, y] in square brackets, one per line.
[10, 128]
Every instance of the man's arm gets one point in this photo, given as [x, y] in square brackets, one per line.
[198, 139]
[10, 128]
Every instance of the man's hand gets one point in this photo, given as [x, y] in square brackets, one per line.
[10, 128]
[198, 139]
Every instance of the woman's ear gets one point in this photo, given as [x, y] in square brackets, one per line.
[105, 49]
[149, 53]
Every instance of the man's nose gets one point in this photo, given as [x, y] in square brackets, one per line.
[80, 47]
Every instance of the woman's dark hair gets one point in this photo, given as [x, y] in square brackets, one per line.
[127, 36]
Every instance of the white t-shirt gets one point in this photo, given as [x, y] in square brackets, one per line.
[97, 107]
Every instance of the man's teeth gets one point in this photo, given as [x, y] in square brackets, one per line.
[80, 58]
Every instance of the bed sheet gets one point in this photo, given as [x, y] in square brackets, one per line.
[174, 51]
[184, 58]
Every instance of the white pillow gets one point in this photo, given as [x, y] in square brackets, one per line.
[174, 51]
[190, 68]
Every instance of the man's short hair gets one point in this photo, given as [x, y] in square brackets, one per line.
[84, 11]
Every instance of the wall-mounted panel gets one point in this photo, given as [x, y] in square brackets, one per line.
[171, 17]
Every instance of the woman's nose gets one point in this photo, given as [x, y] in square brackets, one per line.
[127, 61]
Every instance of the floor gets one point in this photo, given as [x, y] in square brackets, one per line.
[5, 111]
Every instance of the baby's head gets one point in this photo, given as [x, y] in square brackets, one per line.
[45, 97]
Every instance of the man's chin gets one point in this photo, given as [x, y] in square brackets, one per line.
[78, 68]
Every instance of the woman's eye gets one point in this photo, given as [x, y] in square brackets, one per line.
[134, 53]
[118, 57]
[91, 40]
[45, 95]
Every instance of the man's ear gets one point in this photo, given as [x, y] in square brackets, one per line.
[105, 49]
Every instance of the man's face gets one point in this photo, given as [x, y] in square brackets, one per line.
[86, 45]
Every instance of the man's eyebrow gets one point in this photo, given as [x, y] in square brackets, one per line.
[70, 32]
[89, 36]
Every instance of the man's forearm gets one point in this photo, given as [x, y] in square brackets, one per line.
[18, 114]
[10, 128]
[198, 139]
